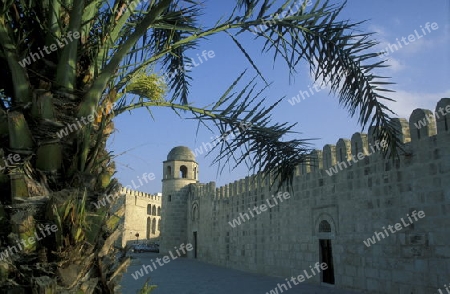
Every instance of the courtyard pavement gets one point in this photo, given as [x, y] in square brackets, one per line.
[190, 276]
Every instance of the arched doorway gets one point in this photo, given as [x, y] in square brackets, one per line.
[326, 234]
[195, 217]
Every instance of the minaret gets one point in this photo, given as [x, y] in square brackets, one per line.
[179, 170]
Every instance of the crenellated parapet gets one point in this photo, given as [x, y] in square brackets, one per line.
[203, 190]
[148, 196]
[423, 124]
[209, 190]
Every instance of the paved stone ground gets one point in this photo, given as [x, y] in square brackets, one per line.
[190, 276]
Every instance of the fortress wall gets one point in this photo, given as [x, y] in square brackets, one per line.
[136, 215]
[356, 201]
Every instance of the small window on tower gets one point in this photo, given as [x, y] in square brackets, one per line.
[170, 198]
[183, 172]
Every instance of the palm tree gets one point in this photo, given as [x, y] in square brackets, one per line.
[68, 67]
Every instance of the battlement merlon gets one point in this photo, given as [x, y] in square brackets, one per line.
[148, 196]
[204, 189]
[422, 124]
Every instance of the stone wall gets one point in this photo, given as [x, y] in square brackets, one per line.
[142, 215]
[347, 208]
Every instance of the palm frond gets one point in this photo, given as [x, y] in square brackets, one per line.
[339, 55]
[178, 24]
[256, 141]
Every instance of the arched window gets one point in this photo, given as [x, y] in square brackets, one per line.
[154, 226]
[149, 209]
[183, 172]
[195, 213]
[168, 172]
[170, 198]
[159, 225]
[159, 210]
[324, 227]
[148, 227]
[154, 210]
[195, 173]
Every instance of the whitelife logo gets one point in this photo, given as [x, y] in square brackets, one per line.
[397, 226]
[279, 16]
[237, 221]
[102, 202]
[53, 47]
[187, 66]
[10, 158]
[429, 118]
[146, 177]
[31, 240]
[301, 278]
[446, 289]
[75, 126]
[231, 134]
[411, 38]
[166, 259]
[345, 164]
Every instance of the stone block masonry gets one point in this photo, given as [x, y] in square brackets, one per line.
[263, 207]
[393, 229]
[142, 216]
[327, 218]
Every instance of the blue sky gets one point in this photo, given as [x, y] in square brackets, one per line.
[420, 69]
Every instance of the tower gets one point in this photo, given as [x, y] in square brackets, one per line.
[179, 170]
